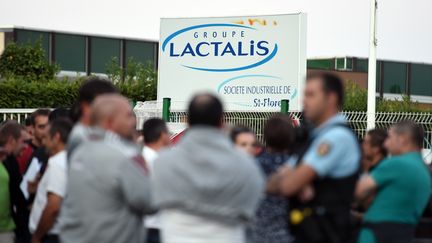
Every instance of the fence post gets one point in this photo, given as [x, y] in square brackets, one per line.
[166, 109]
[284, 106]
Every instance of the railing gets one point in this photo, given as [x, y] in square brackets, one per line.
[357, 120]
[15, 114]
[256, 120]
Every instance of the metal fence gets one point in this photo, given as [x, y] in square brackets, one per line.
[357, 121]
[15, 114]
[256, 120]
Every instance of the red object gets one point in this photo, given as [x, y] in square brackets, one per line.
[24, 157]
[175, 138]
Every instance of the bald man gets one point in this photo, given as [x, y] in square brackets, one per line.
[108, 189]
[113, 113]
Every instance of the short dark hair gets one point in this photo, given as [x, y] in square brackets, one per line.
[153, 129]
[62, 126]
[205, 109]
[9, 129]
[237, 130]
[94, 87]
[331, 83]
[28, 121]
[413, 129]
[88, 91]
[58, 113]
[279, 133]
[37, 113]
[378, 137]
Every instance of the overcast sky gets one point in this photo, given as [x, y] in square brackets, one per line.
[335, 28]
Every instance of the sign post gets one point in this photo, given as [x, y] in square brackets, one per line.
[371, 102]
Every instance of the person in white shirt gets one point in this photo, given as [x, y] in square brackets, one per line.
[156, 137]
[44, 221]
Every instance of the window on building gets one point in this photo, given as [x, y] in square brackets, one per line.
[378, 75]
[394, 77]
[143, 52]
[326, 64]
[344, 63]
[340, 63]
[421, 79]
[349, 63]
[361, 65]
[102, 51]
[70, 52]
[32, 37]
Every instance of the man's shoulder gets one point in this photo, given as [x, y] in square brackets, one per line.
[169, 152]
[91, 149]
[59, 160]
[393, 165]
[338, 131]
[396, 161]
[338, 136]
[78, 131]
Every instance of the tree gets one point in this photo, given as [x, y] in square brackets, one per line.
[27, 62]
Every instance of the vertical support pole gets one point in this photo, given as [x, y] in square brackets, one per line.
[284, 106]
[166, 107]
[371, 102]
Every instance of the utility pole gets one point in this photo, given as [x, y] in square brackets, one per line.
[371, 102]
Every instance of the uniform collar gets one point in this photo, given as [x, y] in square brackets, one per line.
[336, 119]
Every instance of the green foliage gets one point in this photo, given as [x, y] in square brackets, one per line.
[355, 97]
[356, 100]
[27, 80]
[137, 81]
[17, 93]
[26, 62]
[406, 105]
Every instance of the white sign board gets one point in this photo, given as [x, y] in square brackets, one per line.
[252, 63]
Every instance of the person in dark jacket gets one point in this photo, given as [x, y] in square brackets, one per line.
[14, 211]
[271, 219]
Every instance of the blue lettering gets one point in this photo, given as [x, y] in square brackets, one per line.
[219, 48]
[240, 50]
[261, 47]
[172, 54]
[252, 48]
[228, 49]
[198, 51]
[216, 47]
[188, 50]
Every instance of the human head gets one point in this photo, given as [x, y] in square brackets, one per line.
[12, 138]
[113, 112]
[205, 109]
[39, 120]
[373, 147]
[244, 139]
[88, 91]
[29, 127]
[59, 113]
[279, 134]
[58, 134]
[323, 97]
[155, 133]
[403, 137]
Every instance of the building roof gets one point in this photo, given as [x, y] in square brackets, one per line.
[10, 28]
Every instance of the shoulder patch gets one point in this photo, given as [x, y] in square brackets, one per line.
[323, 149]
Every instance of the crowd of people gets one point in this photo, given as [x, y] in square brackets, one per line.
[86, 175]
